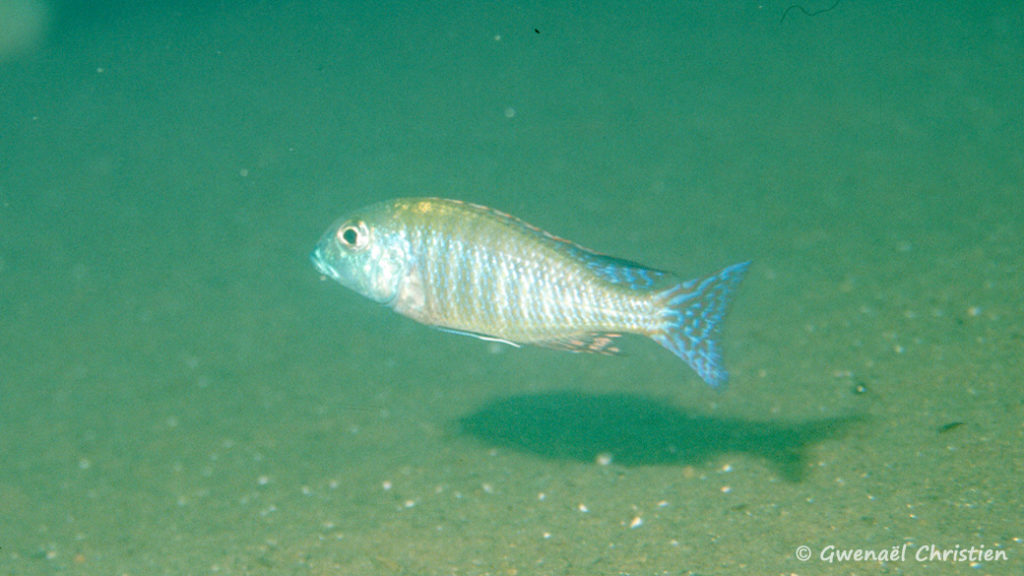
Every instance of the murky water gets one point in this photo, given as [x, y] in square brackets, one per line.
[181, 394]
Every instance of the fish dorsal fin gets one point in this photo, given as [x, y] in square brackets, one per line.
[609, 268]
[619, 271]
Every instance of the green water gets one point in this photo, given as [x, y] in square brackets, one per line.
[181, 394]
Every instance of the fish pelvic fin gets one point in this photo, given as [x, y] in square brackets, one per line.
[691, 317]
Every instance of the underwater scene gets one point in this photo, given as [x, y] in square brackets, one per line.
[183, 391]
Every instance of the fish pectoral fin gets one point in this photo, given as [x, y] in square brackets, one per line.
[590, 342]
[485, 337]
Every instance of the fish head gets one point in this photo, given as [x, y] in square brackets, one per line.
[363, 254]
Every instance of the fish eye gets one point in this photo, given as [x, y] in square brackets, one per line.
[354, 235]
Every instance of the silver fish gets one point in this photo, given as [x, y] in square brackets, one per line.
[474, 270]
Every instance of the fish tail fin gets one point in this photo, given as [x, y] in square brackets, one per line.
[691, 316]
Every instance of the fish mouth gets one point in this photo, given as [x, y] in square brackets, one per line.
[321, 265]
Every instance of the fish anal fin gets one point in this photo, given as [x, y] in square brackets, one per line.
[591, 342]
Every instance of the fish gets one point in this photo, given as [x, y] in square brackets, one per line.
[474, 270]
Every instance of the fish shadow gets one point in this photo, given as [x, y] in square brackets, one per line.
[636, 430]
